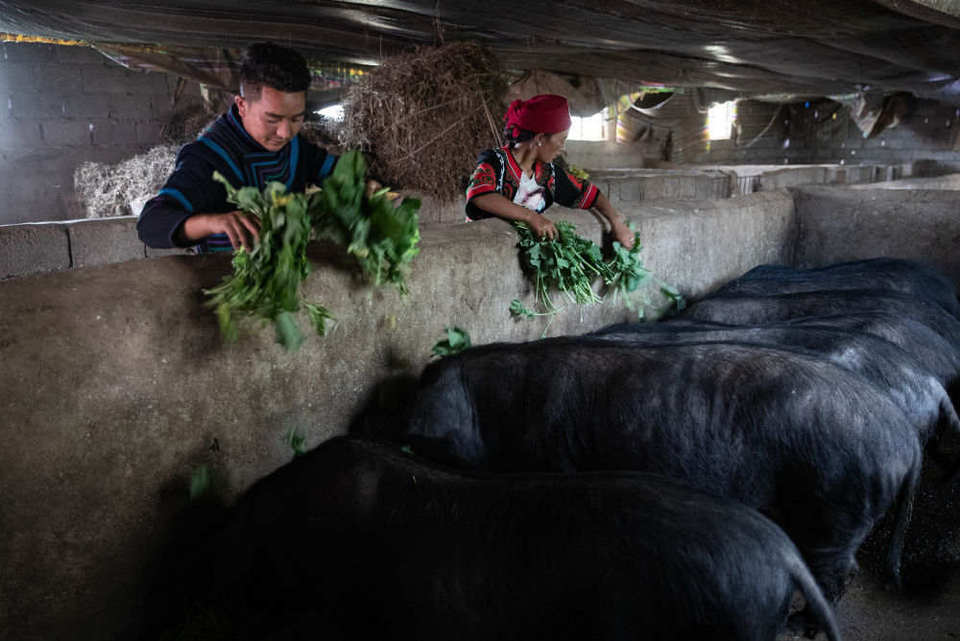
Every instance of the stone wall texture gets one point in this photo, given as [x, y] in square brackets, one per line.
[60, 106]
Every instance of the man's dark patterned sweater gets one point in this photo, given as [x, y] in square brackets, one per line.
[224, 146]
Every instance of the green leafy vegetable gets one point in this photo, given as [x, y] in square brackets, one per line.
[456, 341]
[519, 310]
[578, 172]
[572, 264]
[296, 441]
[677, 302]
[265, 282]
[382, 238]
[624, 273]
[569, 264]
[200, 481]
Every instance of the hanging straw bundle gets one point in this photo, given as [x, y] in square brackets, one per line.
[423, 117]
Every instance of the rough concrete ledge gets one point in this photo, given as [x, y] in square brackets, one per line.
[110, 240]
[33, 248]
[36, 248]
[104, 241]
[839, 223]
[116, 385]
[790, 176]
[948, 182]
[631, 186]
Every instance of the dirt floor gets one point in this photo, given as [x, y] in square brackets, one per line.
[868, 612]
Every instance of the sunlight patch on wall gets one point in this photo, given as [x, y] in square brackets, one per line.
[720, 119]
[589, 128]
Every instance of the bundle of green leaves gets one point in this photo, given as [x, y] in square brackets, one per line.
[265, 282]
[382, 238]
[572, 264]
[569, 264]
[624, 272]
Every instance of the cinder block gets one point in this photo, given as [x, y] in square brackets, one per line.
[130, 106]
[143, 82]
[44, 209]
[115, 79]
[633, 190]
[148, 132]
[104, 241]
[28, 249]
[609, 188]
[21, 137]
[30, 52]
[108, 131]
[35, 106]
[80, 55]
[57, 79]
[107, 105]
[18, 185]
[66, 133]
[84, 105]
[160, 108]
[18, 76]
[102, 79]
[157, 83]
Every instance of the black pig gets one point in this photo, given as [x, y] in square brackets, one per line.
[815, 446]
[893, 274]
[357, 540]
[917, 391]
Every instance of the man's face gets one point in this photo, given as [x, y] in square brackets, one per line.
[274, 118]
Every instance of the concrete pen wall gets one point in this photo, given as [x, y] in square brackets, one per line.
[116, 386]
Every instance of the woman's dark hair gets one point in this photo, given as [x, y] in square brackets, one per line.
[514, 134]
[280, 68]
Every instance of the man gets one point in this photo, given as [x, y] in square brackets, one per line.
[254, 143]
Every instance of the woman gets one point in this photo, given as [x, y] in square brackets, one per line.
[519, 180]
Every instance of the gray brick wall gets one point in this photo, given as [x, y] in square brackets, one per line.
[61, 106]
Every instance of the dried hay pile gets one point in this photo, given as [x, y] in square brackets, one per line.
[423, 117]
[107, 190]
[324, 133]
[185, 125]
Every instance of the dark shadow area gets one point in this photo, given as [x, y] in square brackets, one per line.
[931, 555]
[385, 412]
[183, 577]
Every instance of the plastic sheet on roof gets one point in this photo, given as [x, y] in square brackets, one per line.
[815, 47]
[219, 68]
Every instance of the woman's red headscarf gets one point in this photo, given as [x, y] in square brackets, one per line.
[543, 114]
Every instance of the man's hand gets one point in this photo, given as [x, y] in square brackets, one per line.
[373, 187]
[542, 227]
[242, 229]
[622, 234]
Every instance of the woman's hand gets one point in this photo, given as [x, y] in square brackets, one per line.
[621, 233]
[542, 227]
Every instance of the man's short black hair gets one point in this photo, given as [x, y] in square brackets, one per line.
[280, 68]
